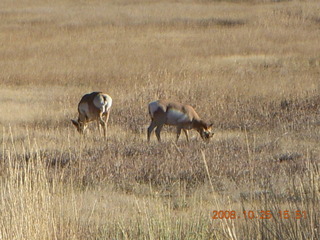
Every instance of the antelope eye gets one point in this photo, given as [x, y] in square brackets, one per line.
[208, 134]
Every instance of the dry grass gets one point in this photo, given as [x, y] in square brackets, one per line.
[250, 67]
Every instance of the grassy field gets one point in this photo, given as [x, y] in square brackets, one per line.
[250, 67]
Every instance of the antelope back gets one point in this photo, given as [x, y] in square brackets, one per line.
[172, 113]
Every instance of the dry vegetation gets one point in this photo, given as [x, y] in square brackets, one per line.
[250, 67]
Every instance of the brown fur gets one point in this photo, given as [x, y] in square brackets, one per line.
[93, 113]
[88, 98]
[191, 119]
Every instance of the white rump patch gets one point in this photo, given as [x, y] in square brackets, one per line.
[153, 107]
[103, 102]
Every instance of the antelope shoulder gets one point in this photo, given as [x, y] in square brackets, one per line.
[84, 108]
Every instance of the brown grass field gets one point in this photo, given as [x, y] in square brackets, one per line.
[251, 67]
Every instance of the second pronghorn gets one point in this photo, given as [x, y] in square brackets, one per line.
[93, 106]
[183, 116]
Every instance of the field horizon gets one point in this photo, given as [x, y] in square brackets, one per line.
[250, 67]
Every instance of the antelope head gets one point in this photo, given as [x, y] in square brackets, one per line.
[81, 126]
[205, 130]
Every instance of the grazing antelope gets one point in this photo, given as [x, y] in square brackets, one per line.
[93, 106]
[183, 116]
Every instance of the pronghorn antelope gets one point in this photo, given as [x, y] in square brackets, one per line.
[93, 106]
[182, 116]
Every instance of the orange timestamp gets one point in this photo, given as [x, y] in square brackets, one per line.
[258, 214]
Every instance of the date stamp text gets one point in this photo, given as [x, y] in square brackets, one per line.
[258, 214]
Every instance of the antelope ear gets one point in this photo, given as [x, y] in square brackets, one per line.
[209, 125]
[75, 122]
